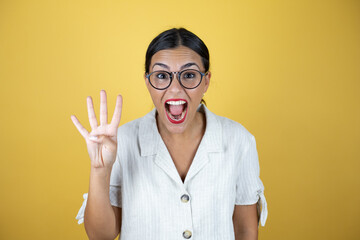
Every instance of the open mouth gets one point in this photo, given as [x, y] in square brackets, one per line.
[176, 110]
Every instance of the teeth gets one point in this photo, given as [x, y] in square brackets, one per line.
[176, 102]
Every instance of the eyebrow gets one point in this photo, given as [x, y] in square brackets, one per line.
[181, 68]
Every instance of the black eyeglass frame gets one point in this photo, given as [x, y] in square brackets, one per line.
[178, 78]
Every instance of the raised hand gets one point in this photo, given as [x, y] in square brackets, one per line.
[102, 140]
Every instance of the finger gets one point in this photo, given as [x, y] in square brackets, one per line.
[91, 113]
[79, 127]
[115, 121]
[103, 108]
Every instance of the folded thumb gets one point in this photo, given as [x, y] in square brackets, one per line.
[109, 145]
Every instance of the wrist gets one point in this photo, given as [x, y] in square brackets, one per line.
[100, 172]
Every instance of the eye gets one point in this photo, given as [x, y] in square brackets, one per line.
[190, 75]
[161, 75]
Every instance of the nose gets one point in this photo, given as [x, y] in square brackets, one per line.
[175, 84]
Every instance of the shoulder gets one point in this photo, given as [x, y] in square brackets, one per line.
[233, 133]
[130, 130]
[232, 128]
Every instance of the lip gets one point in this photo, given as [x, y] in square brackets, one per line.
[176, 99]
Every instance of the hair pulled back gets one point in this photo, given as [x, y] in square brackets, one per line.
[176, 37]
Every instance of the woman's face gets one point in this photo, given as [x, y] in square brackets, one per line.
[176, 106]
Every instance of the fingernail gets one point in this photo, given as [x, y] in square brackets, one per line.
[93, 137]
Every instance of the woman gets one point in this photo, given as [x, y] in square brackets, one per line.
[179, 172]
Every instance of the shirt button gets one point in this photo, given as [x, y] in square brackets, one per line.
[187, 234]
[185, 198]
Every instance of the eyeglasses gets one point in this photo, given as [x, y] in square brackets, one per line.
[189, 78]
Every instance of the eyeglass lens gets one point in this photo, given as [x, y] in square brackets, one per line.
[188, 79]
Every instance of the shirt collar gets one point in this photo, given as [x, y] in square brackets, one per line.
[149, 136]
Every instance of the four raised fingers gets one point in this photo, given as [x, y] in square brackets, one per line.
[104, 128]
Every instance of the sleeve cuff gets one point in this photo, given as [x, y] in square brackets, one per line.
[115, 200]
[80, 215]
[264, 212]
[115, 196]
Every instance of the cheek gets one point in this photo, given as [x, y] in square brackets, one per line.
[156, 97]
[197, 95]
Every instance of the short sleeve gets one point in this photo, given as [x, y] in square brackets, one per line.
[80, 215]
[249, 187]
[115, 184]
[114, 191]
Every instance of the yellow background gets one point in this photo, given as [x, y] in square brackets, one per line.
[289, 71]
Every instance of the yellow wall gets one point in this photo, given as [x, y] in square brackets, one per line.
[287, 70]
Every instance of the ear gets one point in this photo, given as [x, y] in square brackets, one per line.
[146, 81]
[207, 81]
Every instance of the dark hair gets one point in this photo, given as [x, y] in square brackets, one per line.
[176, 37]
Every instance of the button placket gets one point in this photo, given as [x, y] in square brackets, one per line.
[186, 206]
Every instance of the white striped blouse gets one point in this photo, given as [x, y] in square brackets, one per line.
[157, 204]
